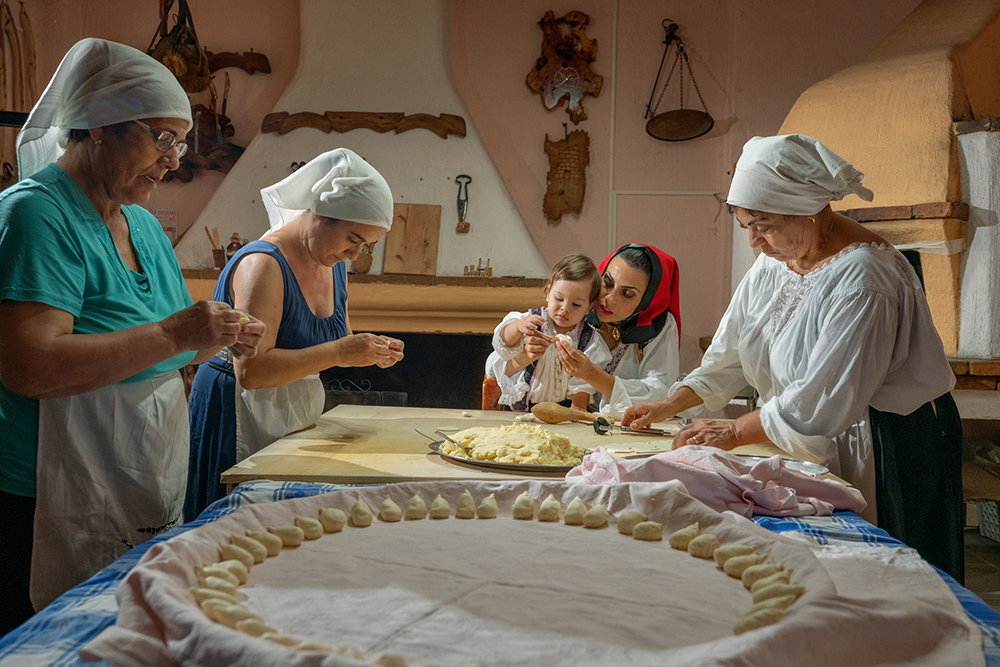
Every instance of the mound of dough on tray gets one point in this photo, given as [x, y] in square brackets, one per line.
[495, 592]
[515, 443]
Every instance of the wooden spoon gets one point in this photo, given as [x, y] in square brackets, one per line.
[553, 413]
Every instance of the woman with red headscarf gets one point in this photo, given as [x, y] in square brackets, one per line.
[638, 315]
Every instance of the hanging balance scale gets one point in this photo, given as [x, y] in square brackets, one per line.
[680, 124]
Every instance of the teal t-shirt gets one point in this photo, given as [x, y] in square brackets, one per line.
[55, 249]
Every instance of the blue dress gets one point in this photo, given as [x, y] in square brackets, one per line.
[212, 405]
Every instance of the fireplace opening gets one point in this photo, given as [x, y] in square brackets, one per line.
[437, 371]
[913, 257]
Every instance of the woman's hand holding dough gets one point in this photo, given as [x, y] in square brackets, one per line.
[367, 349]
[205, 325]
[251, 333]
[575, 362]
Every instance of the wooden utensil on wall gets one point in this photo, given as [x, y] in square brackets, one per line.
[411, 246]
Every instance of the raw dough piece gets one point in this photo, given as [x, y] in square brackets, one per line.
[313, 646]
[361, 514]
[488, 507]
[596, 517]
[755, 573]
[703, 546]
[679, 539]
[736, 565]
[211, 608]
[202, 594]
[218, 584]
[565, 338]
[253, 627]
[279, 638]
[312, 529]
[389, 511]
[550, 509]
[270, 541]
[440, 509]
[524, 507]
[333, 519]
[236, 569]
[231, 551]
[256, 549]
[780, 602]
[515, 443]
[216, 570]
[231, 615]
[628, 519]
[727, 551]
[466, 413]
[350, 652]
[386, 659]
[649, 531]
[416, 508]
[782, 577]
[525, 417]
[465, 508]
[758, 619]
[574, 512]
[291, 536]
[777, 590]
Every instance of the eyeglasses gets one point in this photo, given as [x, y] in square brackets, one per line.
[164, 140]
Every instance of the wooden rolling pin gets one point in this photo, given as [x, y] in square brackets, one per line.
[553, 413]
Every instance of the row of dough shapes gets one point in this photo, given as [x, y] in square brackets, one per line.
[768, 583]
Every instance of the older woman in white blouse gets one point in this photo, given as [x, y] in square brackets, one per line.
[832, 328]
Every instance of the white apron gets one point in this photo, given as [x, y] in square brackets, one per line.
[265, 415]
[111, 474]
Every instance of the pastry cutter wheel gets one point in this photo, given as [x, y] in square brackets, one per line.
[603, 427]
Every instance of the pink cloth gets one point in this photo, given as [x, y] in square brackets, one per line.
[724, 481]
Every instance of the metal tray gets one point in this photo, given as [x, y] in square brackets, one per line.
[529, 468]
[792, 464]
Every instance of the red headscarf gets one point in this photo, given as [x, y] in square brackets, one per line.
[662, 295]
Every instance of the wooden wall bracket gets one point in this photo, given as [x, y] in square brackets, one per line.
[442, 125]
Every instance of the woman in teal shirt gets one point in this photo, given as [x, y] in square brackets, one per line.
[95, 321]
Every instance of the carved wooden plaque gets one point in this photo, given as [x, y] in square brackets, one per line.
[567, 178]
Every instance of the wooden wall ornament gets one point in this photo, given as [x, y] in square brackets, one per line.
[442, 125]
[563, 73]
[567, 178]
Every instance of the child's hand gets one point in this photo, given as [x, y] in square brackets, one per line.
[532, 324]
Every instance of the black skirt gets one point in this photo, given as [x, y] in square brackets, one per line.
[918, 486]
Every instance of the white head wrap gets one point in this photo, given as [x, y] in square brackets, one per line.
[337, 184]
[792, 174]
[98, 83]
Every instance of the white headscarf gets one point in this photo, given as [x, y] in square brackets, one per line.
[337, 184]
[792, 174]
[98, 83]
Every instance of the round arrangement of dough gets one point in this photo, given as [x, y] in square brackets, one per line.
[515, 443]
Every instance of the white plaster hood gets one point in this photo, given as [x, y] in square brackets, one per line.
[383, 56]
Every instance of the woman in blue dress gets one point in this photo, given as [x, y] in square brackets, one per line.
[294, 280]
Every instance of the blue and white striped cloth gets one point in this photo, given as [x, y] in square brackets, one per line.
[55, 636]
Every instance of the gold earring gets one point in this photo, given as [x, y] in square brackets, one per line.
[814, 220]
[98, 142]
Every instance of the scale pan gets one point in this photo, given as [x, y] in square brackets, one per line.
[679, 125]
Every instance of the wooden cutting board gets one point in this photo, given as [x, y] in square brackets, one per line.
[411, 246]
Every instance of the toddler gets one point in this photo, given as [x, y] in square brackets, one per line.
[535, 375]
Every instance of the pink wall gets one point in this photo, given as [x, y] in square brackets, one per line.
[751, 59]
[270, 27]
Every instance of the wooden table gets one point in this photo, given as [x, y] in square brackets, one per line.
[362, 444]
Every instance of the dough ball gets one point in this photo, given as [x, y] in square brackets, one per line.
[440, 509]
[218, 584]
[333, 519]
[649, 531]
[737, 565]
[525, 417]
[312, 529]
[231, 551]
[679, 539]
[574, 512]
[782, 577]
[758, 619]
[566, 338]
[703, 546]
[361, 514]
[780, 602]
[727, 551]
[550, 509]
[416, 508]
[253, 627]
[776, 590]
[202, 594]
[596, 517]
[386, 659]
[232, 614]
[488, 507]
[466, 413]
[291, 536]
[465, 508]
[627, 521]
[270, 541]
[256, 549]
[211, 608]
[755, 573]
[524, 507]
[216, 570]
[237, 569]
[279, 638]
[389, 511]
